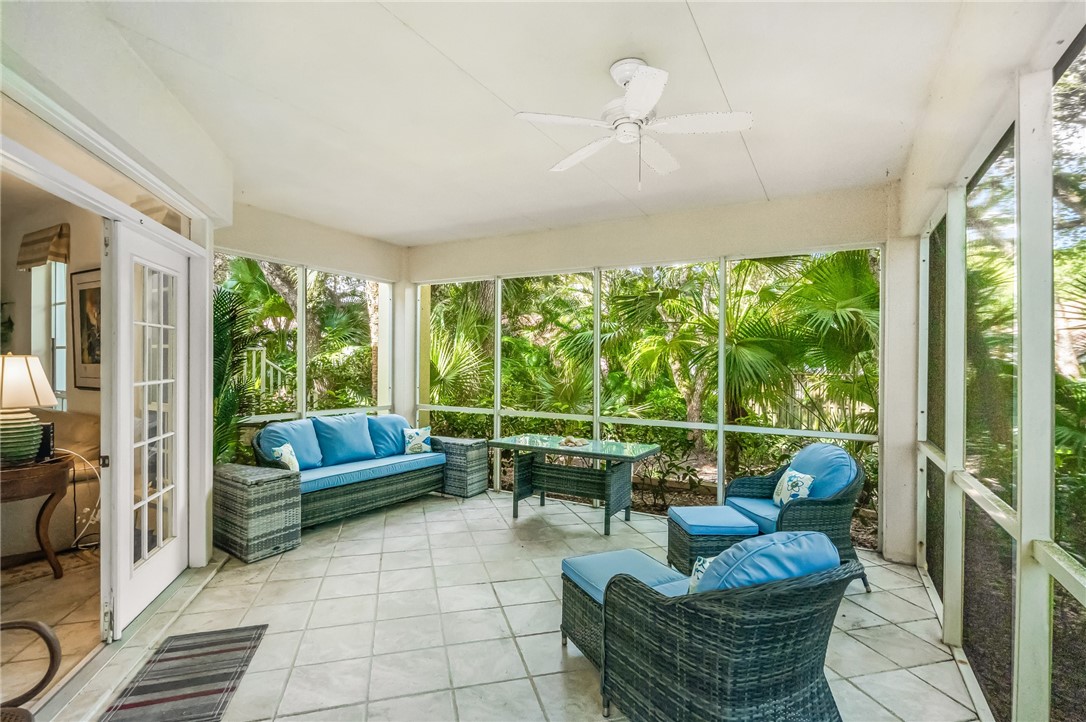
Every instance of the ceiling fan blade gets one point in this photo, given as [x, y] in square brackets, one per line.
[697, 123]
[581, 154]
[644, 90]
[550, 119]
[657, 157]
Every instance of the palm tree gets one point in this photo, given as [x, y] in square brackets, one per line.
[233, 393]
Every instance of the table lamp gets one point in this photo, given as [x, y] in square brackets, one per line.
[22, 385]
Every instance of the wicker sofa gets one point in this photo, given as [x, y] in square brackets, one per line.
[750, 648]
[355, 463]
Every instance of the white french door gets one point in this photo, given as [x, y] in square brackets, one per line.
[149, 458]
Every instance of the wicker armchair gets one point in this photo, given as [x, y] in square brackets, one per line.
[753, 654]
[832, 515]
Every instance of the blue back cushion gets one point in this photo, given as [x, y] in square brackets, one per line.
[343, 438]
[299, 434]
[387, 434]
[770, 558]
[831, 466]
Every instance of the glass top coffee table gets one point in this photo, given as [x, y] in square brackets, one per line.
[612, 483]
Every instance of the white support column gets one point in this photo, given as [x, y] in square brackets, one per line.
[597, 296]
[404, 344]
[386, 370]
[954, 505]
[897, 412]
[1033, 590]
[497, 381]
[922, 401]
[300, 385]
[721, 347]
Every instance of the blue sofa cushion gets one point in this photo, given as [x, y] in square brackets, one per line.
[299, 434]
[386, 432]
[712, 520]
[592, 571]
[831, 466]
[762, 512]
[343, 439]
[770, 558]
[353, 472]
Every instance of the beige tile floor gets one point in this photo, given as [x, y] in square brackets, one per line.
[448, 609]
[69, 604]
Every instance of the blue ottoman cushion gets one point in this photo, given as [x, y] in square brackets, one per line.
[762, 512]
[712, 520]
[770, 558]
[592, 571]
[831, 466]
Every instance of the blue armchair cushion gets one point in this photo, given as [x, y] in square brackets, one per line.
[343, 439]
[762, 512]
[712, 520]
[327, 477]
[386, 433]
[770, 558]
[301, 437]
[592, 571]
[831, 466]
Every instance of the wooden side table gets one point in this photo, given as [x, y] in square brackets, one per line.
[50, 478]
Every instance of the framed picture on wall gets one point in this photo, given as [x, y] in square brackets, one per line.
[86, 304]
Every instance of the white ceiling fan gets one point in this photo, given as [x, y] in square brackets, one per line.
[629, 116]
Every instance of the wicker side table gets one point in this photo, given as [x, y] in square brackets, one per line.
[466, 462]
[257, 510]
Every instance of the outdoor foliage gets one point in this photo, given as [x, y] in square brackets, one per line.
[801, 351]
[340, 336]
[234, 393]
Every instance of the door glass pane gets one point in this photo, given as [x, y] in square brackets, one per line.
[138, 526]
[991, 330]
[139, 492]
[166, 501]
[153, 473]
[152, 525]
[152, 400]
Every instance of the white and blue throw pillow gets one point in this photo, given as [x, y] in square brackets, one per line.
[792, 485]
[417, 441]
[285, 455]
[700, 565]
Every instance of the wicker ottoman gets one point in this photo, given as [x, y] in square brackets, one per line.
[703, 531]
[466, 464]
[257, 510]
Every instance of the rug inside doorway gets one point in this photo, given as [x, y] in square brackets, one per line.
[191, 677]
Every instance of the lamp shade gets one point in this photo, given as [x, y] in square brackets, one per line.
[23, 383]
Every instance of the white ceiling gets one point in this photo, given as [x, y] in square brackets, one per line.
[396, 121]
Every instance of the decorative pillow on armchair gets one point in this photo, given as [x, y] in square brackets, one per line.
[792, 485]
[417, 441]
[285, 455]
[700, 565]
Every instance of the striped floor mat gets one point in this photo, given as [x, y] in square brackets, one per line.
[191, 677]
